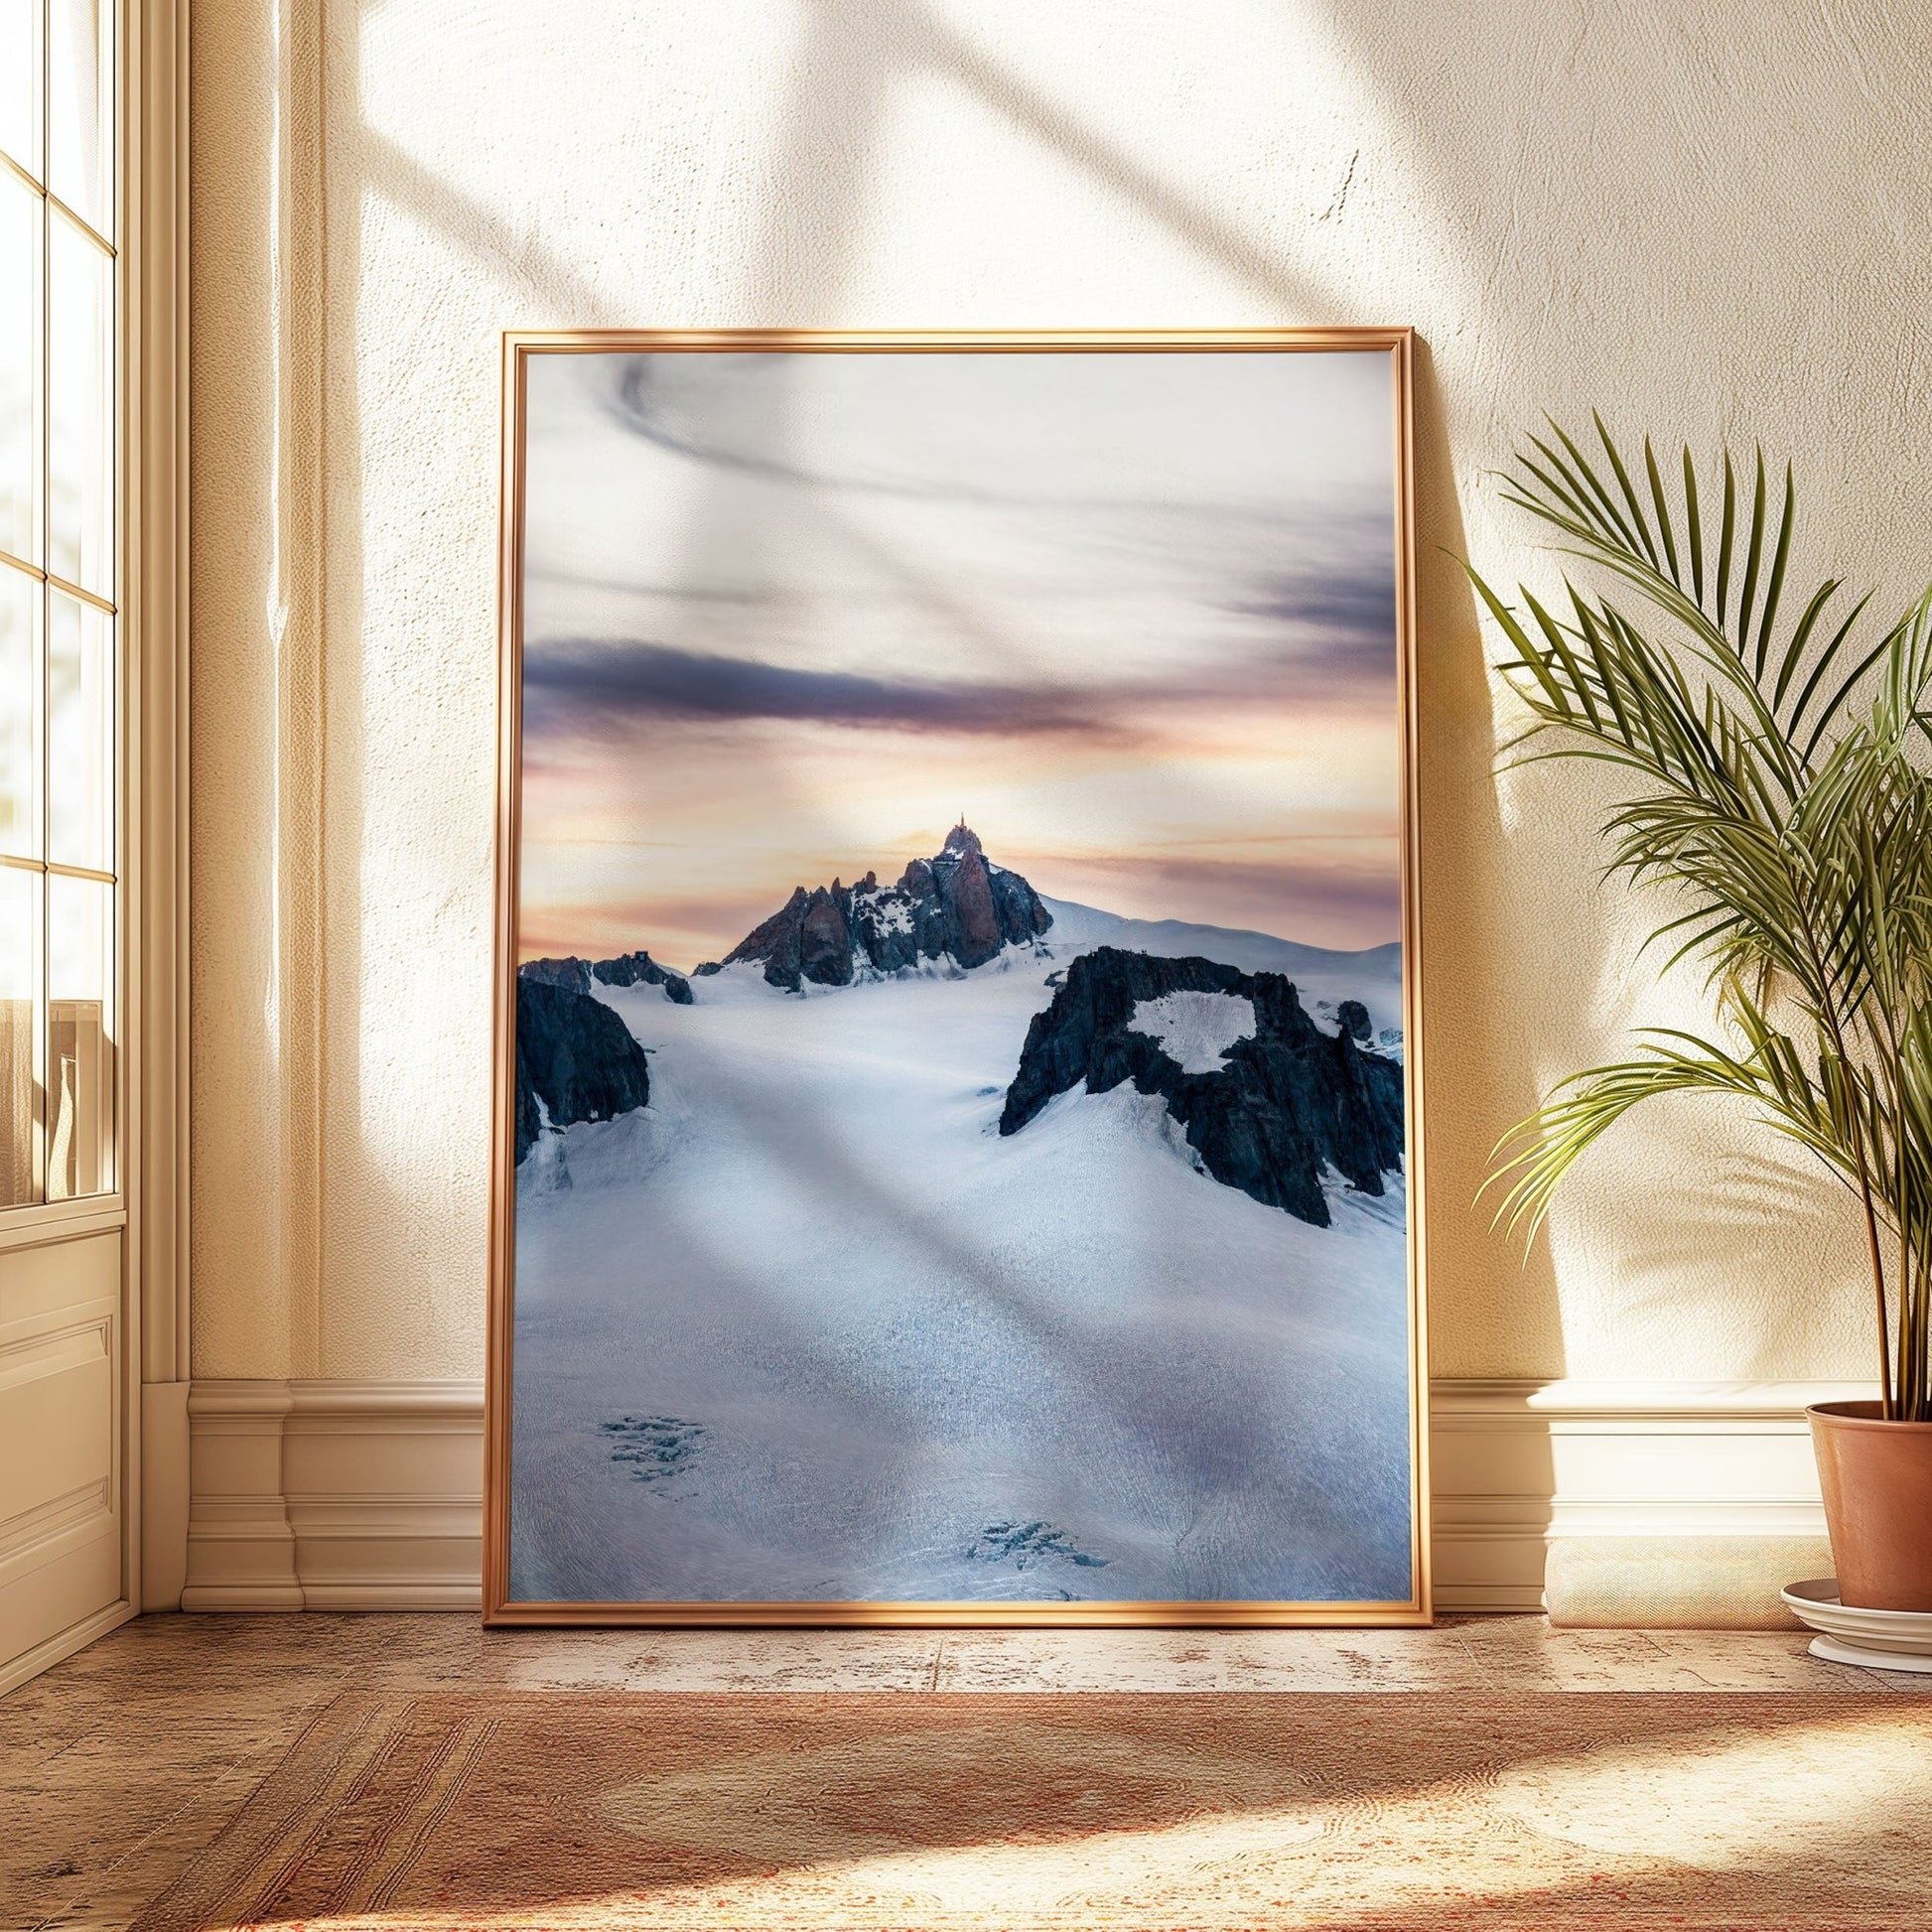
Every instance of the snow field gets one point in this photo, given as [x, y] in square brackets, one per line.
[809, 1329]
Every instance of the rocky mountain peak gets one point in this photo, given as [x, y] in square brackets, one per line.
[572, 973]
[1287, 1103]
[954, 906]
[641, 969]
[627, 969]
[575, 1059]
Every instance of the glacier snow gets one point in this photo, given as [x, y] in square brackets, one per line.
[865, 1349]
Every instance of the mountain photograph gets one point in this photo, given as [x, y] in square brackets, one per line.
[1003, 1204]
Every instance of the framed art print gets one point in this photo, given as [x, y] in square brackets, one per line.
[957, 1029]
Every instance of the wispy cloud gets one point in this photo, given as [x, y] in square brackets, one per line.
[577, 683]
[1353, 600]
[576, 688]
[724, 412]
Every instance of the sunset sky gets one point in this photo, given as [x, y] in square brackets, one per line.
[790, 615]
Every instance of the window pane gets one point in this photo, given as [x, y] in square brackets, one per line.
[79, 112]
[20, 706]
[20, 83]
[80, 733]
[21, 228]
[79, 466]
[20, 951]
[79, 1038]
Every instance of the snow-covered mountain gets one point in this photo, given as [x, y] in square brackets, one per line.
[1085, 926]
[1269, 1102]
[959, 911]
[957, 907]
[805, 1325]
[954, 915]
[1326, 980]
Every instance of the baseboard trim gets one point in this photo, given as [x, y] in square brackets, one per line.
[335, 1496]
[56, 1649]
[1670, 1503]
[1663, 1503]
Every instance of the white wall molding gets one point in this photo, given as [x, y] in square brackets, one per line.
[368, 1495]
[335, 1496]
[1683, 1496]
[1579, 1399]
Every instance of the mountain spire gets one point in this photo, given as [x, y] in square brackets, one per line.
[954, 908]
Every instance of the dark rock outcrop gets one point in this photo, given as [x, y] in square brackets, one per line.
[575, 1057]
[641, 969]
[572, 973]
[1289, 1100]
[956, 905]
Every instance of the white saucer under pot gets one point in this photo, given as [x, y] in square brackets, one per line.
[1875, 1639]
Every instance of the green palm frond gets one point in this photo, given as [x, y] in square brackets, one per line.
[1659, 547]
[1536, 1154]
[1776, 783]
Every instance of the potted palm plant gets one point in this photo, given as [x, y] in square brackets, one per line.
[1774, 748]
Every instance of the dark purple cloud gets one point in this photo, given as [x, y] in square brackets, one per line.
[1353, 605]
[577, 686]
[579, 683]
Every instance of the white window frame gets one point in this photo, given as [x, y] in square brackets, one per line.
[150, 1199]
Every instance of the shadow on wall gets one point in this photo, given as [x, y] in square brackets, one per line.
[1691, 1243]
[1478, 1071]
[1515, 929]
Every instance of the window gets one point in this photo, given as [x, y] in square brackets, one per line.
[60, 631]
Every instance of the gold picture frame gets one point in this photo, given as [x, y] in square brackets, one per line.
[500, 1607]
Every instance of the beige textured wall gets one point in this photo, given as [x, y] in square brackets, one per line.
[1710, 220]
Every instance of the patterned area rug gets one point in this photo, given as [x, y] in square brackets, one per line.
[943, 1813]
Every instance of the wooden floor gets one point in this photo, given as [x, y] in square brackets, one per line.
[120, 1764]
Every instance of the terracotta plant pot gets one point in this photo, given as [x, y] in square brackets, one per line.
[1876, 1476]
